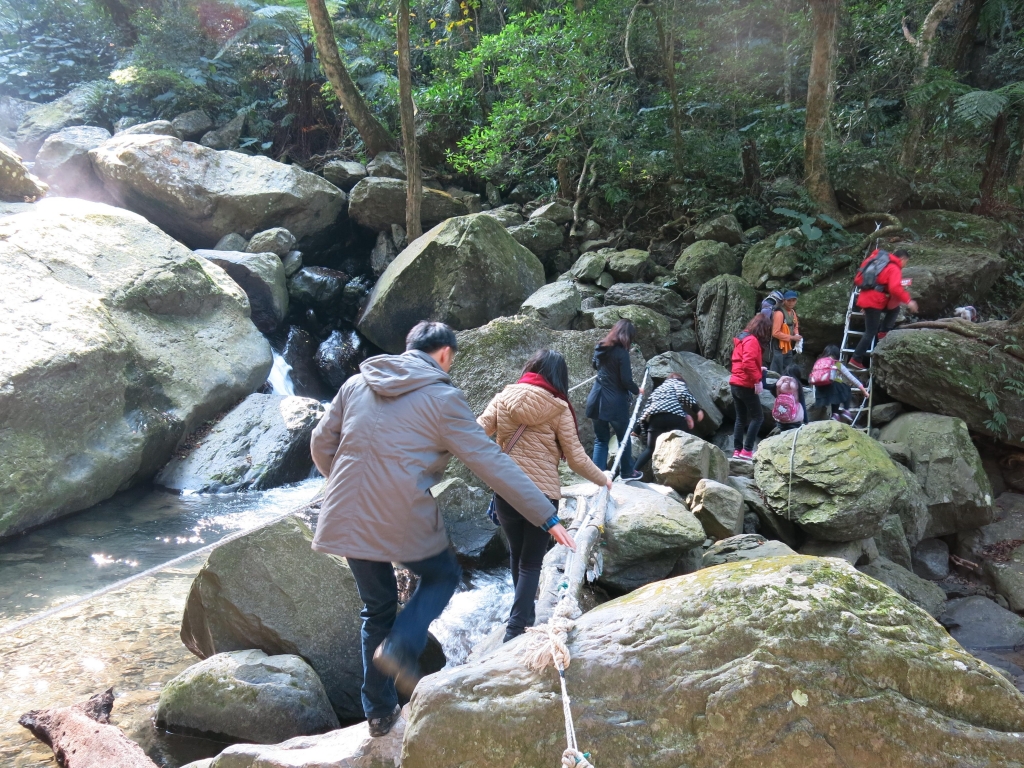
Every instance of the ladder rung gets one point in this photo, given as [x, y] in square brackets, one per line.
[850, 331]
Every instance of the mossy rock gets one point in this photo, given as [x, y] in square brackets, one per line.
[725, 305]
[782, 661]
[702, 261]
[834, 481]
[822, 311]
[949, 226]
[766, 263]
[17, 184]
[652, 328]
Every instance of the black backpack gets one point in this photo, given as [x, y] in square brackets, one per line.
[867, 275]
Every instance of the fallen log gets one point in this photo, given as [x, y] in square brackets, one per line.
[81, 736]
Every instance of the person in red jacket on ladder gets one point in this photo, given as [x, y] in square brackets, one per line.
[880, 279]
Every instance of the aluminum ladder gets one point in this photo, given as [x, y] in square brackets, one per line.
[861, 406]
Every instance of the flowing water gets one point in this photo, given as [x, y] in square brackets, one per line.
[128, 639]
[280, 378]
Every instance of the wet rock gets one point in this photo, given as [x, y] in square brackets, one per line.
[320, 289]
[77, 107]
[63, 162]
[151, 128]
[629, 266]
[555, 305]
[338, 358]
[350, 747]
[378, 202]
[653, 331]
[892, 542]
[277, 240]
[299, 352]
[231, 242]
[803, 646]
[261, 276]
[906, 584]
[263, 442]
[722, 229]
[539, 236]
[719, 508]
[292, 263]
[191, 125]
[978, 623]
[859, 552]
[388, 165]
[465, 272]
[198, 195]
[17, 183]
[646, 533]
[383, 253]
[843, 481]
[682, 460]
[946, 463]
[701, 262]
[740, 549]
[249, 696]
[725, 305]
[555, 211]
[344, 174]
[114, 313]
[930, 559]
[225, 137]
[464, 511]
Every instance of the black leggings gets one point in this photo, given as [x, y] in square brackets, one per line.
[749, 417]
[875, 321]
[657, 425]
[527, 546]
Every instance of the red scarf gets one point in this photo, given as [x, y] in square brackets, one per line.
[536, 380]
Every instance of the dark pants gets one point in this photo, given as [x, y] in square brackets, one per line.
[527, 545]
[657, 425]
[875, 321]
[602, 436]
[407, 634]
[748, 417]
[780, 360]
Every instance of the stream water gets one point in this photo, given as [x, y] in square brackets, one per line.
[128, 638]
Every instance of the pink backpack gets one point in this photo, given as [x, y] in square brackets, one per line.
[787, 409]
[823, 373]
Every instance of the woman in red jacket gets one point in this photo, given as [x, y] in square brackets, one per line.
[745, 383]
[881, 303]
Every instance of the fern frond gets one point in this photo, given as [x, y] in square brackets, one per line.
[371, 29]
[980, 108]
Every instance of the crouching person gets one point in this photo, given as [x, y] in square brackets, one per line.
[383, 443]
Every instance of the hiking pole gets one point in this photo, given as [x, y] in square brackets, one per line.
[632, 421]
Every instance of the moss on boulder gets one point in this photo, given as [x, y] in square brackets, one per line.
[701, 262]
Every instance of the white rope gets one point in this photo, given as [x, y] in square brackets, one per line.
[573, 389]
[632, 422]
[792, 457]
[8, 628]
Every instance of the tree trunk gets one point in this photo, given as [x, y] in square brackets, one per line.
[994, 165]
[751, 167]
[564, 185]
[122, 19]
[824, 20]
[414, 185]
[81, 737]
[375, 136]
[956, 53]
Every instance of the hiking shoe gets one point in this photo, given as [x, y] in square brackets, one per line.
[857, 364]
[381, 726]
[746, 456]
[738, 453]
[880, 335]
[405, 677]
[634, 475]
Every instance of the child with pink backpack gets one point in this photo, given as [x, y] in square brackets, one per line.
[833, 384]
[789, 410]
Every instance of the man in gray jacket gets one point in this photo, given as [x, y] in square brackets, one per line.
[385, 440]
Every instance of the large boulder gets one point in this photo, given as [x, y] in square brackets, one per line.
[979, 624]
[17, 183]
[661, 300]
[725, 305]
[653, 330]
[872, 187]
[493, 356]
[946, 463]
[833, 480]
[191, 125]
[920, 592]
[472, 534]
[682, 460]
[276, 240]
[719, 508]
[646, 533]
[249, 696]
[767, 265]
[556, 305]
[822, 311]
[261, 276]
[464, 272]
[722, 229]
[269, 590]
[225, 137]
[702, 261]
[540, 236]
[116, 343]
[338, 357]
[63, 162]
[630, 265]
[779, 661]
[198, 195]
[263, 442]
[321, 289]
[76, 107]
[743, 547]
[153, 127]
[944, 372]
[937, 225]
[344, 174]
[946, 275]
[378, 202]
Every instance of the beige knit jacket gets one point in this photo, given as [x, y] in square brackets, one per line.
[550, 433]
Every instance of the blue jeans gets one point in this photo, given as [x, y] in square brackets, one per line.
[602, 436]
[406, 634]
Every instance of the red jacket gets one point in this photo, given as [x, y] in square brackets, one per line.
[889, 278]
[746, 362]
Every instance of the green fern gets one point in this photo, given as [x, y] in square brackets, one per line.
[980, 108]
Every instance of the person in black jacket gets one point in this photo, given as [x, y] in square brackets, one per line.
[608, 401]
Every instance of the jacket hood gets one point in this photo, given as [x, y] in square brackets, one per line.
[530, 405]
[394, 375]
[601, 354]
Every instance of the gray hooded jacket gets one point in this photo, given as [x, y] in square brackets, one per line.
[384, 441]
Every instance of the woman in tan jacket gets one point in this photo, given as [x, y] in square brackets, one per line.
[540, 401]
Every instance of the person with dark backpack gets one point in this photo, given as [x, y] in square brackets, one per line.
[880, 279]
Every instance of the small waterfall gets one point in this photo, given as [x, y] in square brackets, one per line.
[281, 377]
